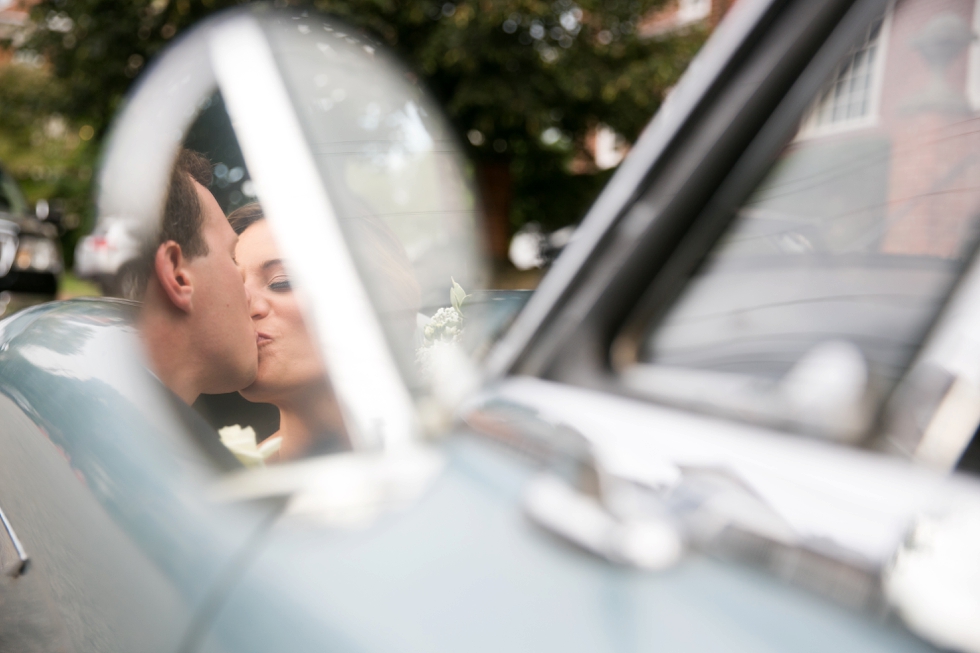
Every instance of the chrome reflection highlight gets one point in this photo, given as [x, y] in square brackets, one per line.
[8, 245]
[18, 565]
[934, 580]
[645, 543]
[824, 517]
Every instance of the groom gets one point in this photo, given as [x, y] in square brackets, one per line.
[195, 320]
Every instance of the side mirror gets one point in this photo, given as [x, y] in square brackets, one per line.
[360, 178]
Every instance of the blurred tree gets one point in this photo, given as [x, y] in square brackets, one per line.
[523, 81]
[51, 155]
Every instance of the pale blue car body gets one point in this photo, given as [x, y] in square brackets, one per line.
[105, 494]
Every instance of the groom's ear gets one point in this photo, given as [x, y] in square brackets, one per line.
[174, 276]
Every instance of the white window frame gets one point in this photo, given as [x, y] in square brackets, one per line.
[809, 127]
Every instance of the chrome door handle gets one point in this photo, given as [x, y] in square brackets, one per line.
[13, 558]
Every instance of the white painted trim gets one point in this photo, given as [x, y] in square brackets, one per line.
[809, 131]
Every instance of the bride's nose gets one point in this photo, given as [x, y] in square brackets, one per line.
[257, 305]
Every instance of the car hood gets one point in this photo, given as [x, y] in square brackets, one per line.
[463, 569]
[74, 369]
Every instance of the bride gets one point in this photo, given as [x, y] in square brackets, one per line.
[291, 373]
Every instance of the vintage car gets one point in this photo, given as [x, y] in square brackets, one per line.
[737, 414]
[30, 254]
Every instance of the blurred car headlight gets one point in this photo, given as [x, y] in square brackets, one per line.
[37, 255]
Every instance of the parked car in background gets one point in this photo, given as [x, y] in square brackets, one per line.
[30, 252]
[739, 413]
[100, 255]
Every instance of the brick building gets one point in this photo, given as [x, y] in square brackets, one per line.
[892, 143]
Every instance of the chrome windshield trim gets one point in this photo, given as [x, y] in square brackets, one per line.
[19, 566]
[853, 503]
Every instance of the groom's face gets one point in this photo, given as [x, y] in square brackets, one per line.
[221, 304]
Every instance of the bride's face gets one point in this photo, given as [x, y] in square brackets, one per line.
[288, 360]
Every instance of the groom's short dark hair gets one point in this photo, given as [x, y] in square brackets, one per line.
[182, 222]
[183, 216]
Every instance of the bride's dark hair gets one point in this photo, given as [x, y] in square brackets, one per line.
[244, 217]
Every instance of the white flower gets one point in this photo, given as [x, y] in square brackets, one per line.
[445, 328]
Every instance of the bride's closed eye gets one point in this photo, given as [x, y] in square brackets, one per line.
[280, 284]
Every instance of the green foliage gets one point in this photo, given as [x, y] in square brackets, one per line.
[70, 286]
[523, 81]
[545, 192]
[41, 147]
[508, 71]
[98, 47]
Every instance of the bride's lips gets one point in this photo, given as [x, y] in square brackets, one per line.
[262, 338]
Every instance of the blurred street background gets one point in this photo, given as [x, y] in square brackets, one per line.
[547, 96]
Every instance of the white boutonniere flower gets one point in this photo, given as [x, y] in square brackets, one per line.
[444, 329]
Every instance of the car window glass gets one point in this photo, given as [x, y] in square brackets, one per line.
[815, 300]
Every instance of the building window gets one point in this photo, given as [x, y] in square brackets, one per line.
[851, 99]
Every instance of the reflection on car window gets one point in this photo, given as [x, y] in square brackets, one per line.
[851, 244]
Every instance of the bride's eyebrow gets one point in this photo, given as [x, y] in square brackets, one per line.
[271, 263]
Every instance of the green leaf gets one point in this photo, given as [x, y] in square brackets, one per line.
[457, 296]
